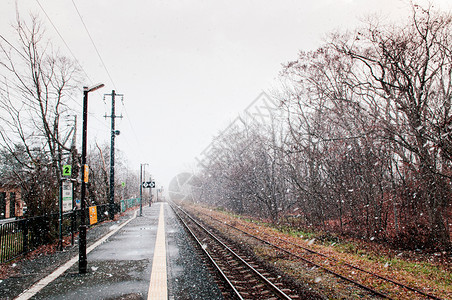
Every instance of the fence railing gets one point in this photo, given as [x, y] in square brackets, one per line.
[128, 203]
[21, 236]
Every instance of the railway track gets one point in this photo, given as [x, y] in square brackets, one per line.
[330, 265]
[238, 274]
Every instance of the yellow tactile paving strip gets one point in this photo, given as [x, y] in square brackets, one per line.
[158, 287]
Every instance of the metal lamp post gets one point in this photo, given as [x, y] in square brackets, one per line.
[82, 263]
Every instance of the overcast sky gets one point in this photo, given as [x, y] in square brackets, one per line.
[189, 67]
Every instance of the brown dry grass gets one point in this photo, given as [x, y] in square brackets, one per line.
[430, 273]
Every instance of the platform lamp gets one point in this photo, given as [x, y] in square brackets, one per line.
[82, 262]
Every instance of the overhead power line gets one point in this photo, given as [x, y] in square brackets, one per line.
[137, 140]
[94, 45]
[12, 46]
[61, 37]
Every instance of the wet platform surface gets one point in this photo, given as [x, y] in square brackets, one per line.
[123, 265]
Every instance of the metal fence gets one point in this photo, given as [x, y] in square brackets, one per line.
[128, 203]
[21, 236]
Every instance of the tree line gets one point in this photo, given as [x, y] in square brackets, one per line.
[38, 86]
[364, 148]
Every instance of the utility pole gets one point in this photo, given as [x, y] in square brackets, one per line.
[141, 187]
[144, 174]
[141, 190]
[150, 191]
[156, 194]
[114, 133]
[73, 158]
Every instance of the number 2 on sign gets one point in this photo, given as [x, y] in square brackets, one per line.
[67, 170]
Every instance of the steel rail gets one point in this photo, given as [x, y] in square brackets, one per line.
[212, 261]
[332, 258]
[369, 289]
[262, 277]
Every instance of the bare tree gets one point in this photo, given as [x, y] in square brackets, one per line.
[246, 172]
[406, 72]
[35, 86]
[369, 115]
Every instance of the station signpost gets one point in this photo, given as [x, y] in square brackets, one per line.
[65, 202]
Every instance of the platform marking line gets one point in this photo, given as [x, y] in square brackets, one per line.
[158, 289]
[33, 290]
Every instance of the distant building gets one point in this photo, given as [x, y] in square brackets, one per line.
[11, 204]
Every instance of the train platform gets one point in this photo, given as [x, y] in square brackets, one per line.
[138, 257]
